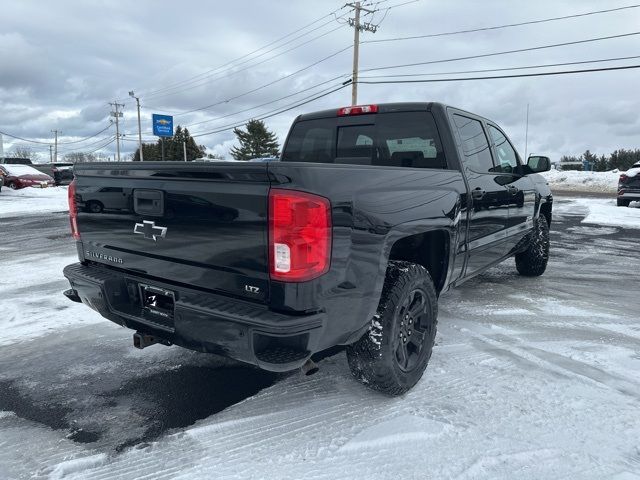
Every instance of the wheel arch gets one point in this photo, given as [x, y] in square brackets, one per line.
[546, 209]
[431, 249]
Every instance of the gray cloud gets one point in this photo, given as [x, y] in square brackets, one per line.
[62, 62]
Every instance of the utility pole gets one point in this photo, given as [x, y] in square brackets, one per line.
[184, 149]
[55, 150]
[526, 136]
[357, 27]
[131, 94]
[117, 114]
[50, 153]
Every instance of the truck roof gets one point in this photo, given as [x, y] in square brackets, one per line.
[385, 108]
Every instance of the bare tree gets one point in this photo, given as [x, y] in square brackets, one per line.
[22, 151]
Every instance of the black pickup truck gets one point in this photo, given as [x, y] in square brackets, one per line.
[372, 212]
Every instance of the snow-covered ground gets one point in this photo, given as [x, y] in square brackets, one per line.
[33, 201]
[530, 379]
[30, 297]
[605, 182]
[602, 211]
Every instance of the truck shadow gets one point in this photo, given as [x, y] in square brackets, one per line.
[178, 398]
[94, 389]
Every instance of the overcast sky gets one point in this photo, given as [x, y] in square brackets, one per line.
[62, 62]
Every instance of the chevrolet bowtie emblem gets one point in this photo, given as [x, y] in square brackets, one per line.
[149, 230]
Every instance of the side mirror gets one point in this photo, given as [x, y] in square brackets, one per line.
[539, 164]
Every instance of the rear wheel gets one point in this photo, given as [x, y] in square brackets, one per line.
[12, 186]
[623, 203]
[533, 261]
[393, 355]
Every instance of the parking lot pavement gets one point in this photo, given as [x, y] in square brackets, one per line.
[541, 372]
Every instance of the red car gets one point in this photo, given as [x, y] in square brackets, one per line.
[21, 176]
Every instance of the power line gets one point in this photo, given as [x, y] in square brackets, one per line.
[485, 70]
[269, 102]
[248, 92]
[230, 71]
[270, 114]
[253, 52]
[495, 77]
[89, 145]
[86, 138]
[102, 146]
[497, 27]
[48, 143]
[505, 52]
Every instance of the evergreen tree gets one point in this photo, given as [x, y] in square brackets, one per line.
[173, 149]
[257, 141]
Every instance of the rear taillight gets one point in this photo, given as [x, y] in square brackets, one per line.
[299, 235]
[623, 178]
[73, 210]
[357, 110]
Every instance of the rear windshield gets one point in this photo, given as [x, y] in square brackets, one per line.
[398, 139]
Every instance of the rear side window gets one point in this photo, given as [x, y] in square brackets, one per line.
[477, 154]
[398, 139]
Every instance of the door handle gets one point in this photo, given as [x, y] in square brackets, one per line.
[512, 190]
[478, 193]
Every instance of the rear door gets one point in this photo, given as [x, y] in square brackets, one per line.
[200, 225]
[487, 196]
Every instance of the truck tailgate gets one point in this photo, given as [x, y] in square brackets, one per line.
[203, 225]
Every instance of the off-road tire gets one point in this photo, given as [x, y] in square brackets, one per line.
[533, 261]
[622, 202]
[376, 358]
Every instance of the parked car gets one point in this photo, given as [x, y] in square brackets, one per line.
[62, 172]
[372, 212]
[629, 186]
[16, 161]
[1, 179]
[21, 176]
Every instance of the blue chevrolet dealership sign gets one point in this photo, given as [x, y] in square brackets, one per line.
[162, 125]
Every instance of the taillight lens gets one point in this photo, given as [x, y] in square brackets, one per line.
[357, 110]
[623, 178]
[299, 235]
[73, 210]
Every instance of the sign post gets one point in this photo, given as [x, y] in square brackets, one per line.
[162, 127]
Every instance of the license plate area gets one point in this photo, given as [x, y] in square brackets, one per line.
[157, 302]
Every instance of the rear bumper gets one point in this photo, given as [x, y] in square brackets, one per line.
[202, 321]
[629, 193]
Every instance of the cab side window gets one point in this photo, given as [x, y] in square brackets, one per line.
[507, 159]
[475, 146]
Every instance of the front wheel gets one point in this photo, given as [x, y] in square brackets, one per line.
[12, 186]
[393, 355]
[94, 207]
[533, 261]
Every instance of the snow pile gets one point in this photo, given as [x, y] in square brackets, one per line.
[606, 182]
[601, 211]
[28, 201]
[632, 172]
